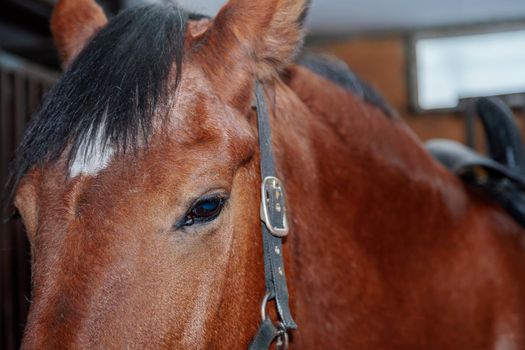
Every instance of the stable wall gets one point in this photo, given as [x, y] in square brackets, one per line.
[383, 62]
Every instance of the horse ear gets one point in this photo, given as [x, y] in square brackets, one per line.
[270, 32]
[74, 22]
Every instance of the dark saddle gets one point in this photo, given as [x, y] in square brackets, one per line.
[501, 174]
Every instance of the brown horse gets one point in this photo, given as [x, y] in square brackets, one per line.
[139, 185]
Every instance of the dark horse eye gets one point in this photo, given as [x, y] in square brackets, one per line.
[204, 210]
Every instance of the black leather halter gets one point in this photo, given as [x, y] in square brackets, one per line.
[274, 229]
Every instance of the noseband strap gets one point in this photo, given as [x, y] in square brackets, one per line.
[274, 228]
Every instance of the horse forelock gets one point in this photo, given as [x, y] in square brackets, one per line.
[106, 101]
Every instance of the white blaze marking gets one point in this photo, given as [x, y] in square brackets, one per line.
[91, 157]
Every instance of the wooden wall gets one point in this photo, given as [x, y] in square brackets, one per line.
[383, 62]
[22, 86]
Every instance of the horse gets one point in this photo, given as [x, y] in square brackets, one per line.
[139, 184]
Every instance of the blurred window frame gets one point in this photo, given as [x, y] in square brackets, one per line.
[514, 99]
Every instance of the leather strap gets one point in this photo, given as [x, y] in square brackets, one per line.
[265, 336]
[272, 245]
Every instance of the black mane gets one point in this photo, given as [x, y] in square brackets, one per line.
[110, 92]
[338, 72]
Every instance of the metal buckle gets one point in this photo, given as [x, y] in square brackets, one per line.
[282, 342]
[273, 206]
[281, 339]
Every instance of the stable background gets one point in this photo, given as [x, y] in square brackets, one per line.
[376, 38]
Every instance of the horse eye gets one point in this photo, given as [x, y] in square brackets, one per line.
[205, 210]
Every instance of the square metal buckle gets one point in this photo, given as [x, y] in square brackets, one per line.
[273, 207]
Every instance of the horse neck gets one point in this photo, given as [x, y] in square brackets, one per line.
[351, 171]
[334, 142]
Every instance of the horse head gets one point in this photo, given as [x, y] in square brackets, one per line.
[138, 180]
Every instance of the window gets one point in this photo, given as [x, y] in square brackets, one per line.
[446, 70]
